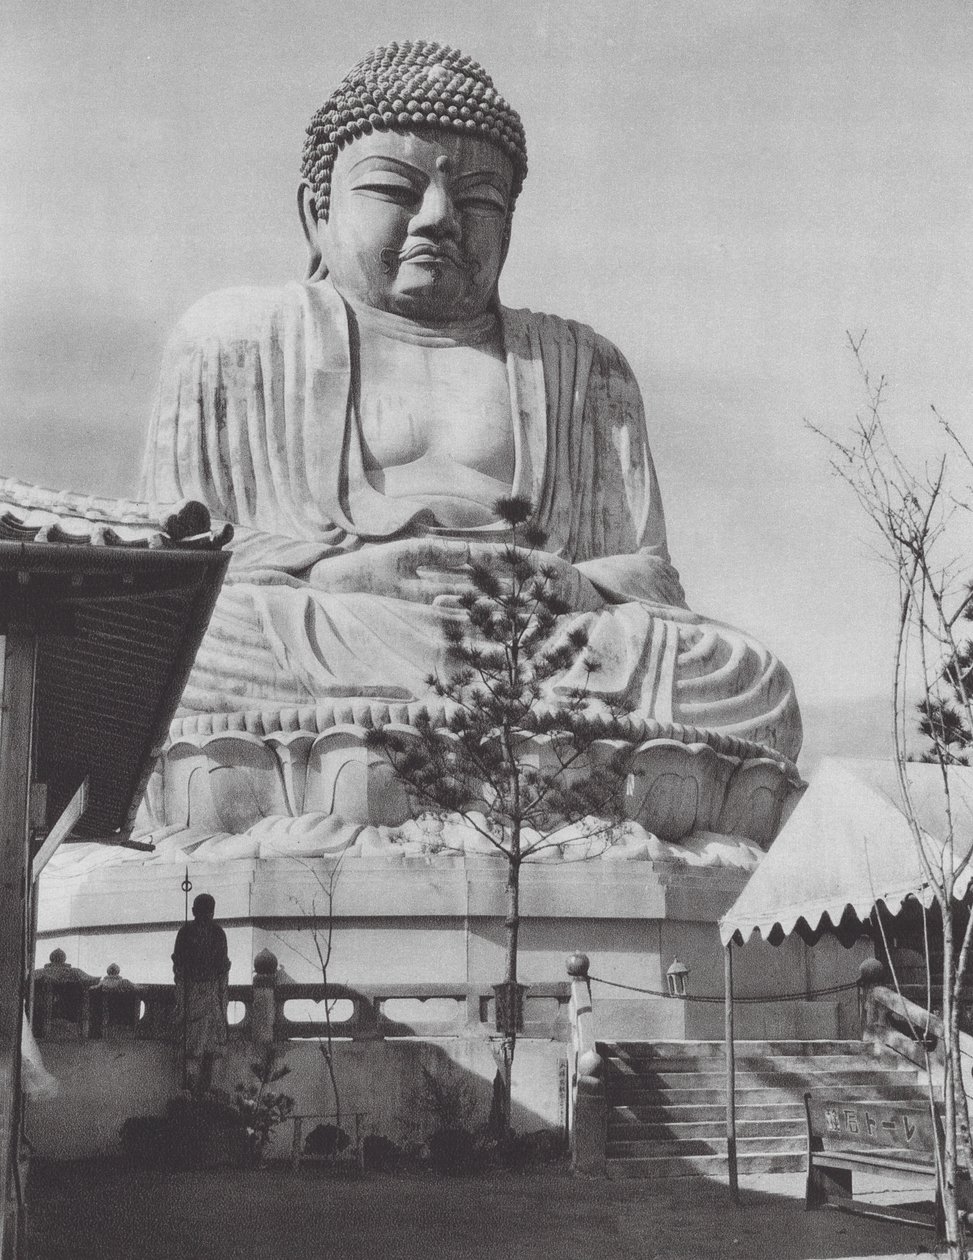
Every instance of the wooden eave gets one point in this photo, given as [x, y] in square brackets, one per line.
[118, 626]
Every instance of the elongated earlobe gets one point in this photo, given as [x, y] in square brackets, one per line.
[306, 208]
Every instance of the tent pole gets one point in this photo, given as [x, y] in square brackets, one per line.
[731, 1120]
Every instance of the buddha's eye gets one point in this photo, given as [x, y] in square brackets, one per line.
[398, 191]
[481, 205]
[481, 199]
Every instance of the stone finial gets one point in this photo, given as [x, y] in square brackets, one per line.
[115, 981]
[578, 965]
[265, 963]
[590, 1063]
[870, 973]
[59, 971]
[263, 1011]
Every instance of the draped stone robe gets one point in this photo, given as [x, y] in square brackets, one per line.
[256, 416]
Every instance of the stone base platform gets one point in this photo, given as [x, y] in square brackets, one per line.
[300, 830]
[438, 918]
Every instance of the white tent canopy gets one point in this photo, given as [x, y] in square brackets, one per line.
[848, 843]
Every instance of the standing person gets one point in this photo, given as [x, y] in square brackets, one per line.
[201, 965]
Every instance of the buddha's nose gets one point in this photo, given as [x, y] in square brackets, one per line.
[436, 215]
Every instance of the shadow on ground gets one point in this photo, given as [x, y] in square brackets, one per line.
[104, 1210]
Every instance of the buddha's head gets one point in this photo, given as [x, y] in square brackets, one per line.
[411, 171]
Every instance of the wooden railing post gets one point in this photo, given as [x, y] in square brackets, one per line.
[18, 657]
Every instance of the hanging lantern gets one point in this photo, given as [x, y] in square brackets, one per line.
[677, 979]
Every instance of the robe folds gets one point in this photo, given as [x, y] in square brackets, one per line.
[256, 417]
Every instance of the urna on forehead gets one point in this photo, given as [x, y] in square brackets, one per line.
[411, 87]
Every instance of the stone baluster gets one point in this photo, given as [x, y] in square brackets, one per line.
[116, 1005]
[64, 1000]
[589, 1110]
[263, 1012]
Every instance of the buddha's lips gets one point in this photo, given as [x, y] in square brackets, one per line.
[434, 253]
[428, 252]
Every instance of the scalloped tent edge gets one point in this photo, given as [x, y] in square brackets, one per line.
[847, 847]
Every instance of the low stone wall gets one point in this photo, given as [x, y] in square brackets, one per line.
[102, 1083]
[115, 1053]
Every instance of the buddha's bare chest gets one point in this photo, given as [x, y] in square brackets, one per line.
[427, 409]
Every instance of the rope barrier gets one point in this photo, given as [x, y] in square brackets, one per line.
[804, 996]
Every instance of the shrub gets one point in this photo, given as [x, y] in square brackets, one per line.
[453, 1150]
[529, 1150]
[194, 1133]
[260, 1109]
[380, 1154]
[327, 1140]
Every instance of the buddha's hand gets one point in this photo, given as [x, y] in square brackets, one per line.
[435, 571]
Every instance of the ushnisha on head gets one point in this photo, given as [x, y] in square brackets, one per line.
[411, 171]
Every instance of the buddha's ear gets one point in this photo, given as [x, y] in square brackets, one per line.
[307, 209]
[505, 245]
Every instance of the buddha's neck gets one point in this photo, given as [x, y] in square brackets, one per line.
[471, 332]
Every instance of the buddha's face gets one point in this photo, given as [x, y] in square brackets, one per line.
[418, 224]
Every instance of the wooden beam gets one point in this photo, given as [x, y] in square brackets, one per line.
[61, 829]
[16, 738]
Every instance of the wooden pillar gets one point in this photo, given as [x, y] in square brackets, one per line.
[731, 1120]
[19, 658]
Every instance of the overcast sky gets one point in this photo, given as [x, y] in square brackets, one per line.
[722, 188]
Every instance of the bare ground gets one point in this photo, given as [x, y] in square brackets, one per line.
[104, 1210]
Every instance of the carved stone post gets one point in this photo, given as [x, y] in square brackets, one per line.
[589, 1128]
[263, 1011]
[870, 974]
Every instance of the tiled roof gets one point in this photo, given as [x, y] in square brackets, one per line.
[120, 605]
[36, 514]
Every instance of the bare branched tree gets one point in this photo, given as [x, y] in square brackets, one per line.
[924, 517]
[320, 910]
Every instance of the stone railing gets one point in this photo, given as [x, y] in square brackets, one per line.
[275, 1009]
[588, 1107]
[897, 1025]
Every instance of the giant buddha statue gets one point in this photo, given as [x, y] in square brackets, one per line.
[358, 428]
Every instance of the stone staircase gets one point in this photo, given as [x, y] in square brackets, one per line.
[667, 1101]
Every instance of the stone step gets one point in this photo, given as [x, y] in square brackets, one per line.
[766, 1063]
[687, 1113]
[691, 1130]
[715, 1049]
[705, 1146]
[643, 1168]
[864, 1074]
[620, 1094]
[667, 1102]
